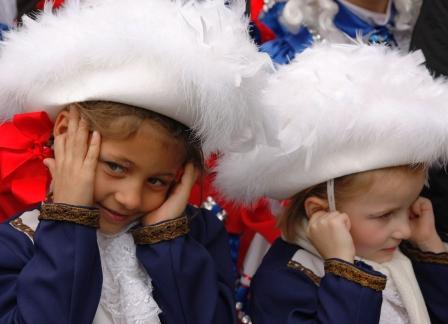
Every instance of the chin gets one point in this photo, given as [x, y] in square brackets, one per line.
[108, 228]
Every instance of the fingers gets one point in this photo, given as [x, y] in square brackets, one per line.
[93, 152]
[190, 175]
[51, 165]
[76, 157]
[323, 217]
[59, 148]
[72, 129]
[81, 140]
[422, 207]
[177, 201]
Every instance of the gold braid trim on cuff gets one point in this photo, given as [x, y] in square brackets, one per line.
[68, 213]
[18, 225]
[164, 231]
[310, 274]
[420, 256]
[350, 272]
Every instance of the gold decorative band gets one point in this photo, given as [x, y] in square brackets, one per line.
[20, 226]
[420, 256]
[354, 274]
[164, 231]
[307, 272]
[68, 213]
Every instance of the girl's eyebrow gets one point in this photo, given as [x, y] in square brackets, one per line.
[383, 212]
[125, 162]
[164, 174]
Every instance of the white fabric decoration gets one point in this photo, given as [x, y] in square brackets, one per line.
[342, 109]
[126, 295]
[193, 61]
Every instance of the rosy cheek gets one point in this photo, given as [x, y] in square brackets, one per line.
[155, 200]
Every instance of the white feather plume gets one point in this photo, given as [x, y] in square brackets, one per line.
[343, 109]
[203, 45]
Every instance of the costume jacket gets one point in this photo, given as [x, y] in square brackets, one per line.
[285, 291]
[53, 274]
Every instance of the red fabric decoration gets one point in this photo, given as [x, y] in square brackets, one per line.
[256, 7]
[56, 4]
[245, 221]
[24, 179]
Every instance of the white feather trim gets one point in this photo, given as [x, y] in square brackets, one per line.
[343, 109]
[193, 61]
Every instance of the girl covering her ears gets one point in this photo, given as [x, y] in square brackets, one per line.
[117, 242]
[361, 248]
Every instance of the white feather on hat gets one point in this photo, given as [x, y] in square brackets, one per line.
[191, 61]
[343, 109]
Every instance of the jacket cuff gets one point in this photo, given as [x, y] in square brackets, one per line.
[355, 274]
[87, 216]
[418, 255]
[164, 231]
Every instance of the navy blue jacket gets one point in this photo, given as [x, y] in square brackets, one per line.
[284, 293]
[57, 278]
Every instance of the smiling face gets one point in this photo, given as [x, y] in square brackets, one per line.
[134, 175]
[380, 215]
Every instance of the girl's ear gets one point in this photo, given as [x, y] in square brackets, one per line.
[61, 123]
[314, 204]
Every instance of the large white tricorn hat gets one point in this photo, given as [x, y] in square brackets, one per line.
[190, 60]
[343, 109]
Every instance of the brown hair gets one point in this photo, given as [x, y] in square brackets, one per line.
[103, 117]
[345, 187]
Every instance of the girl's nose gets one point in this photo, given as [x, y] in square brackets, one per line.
[402, 229]
[130, 197]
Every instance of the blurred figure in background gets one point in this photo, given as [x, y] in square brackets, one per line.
[431, 36]
[297, 24]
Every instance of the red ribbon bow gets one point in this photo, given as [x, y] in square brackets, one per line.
[56, 4]
[24, 179]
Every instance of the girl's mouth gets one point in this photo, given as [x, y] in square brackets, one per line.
[390, 250]
[113, 216]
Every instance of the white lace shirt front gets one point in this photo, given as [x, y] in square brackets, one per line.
[126, 295]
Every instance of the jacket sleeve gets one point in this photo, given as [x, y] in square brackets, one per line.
[52, 276]
[431, 271]
[191, 272]
[347, 293]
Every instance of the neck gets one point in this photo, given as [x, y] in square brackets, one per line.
[379, 6]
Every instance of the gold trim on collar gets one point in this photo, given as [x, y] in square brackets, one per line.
[309, 273]
[354, 274]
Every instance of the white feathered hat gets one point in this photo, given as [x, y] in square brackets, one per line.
[190, 60]
[343, 109]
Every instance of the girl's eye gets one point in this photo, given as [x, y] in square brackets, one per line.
[115, 168]
[156, 182]
[385, 216]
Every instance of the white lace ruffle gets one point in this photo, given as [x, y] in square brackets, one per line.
[393, 310]
[127, 290]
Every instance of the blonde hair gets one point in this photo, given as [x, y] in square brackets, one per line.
[103, 116]
[345, 187]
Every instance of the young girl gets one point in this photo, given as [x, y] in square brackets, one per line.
[136, 91]
[361, 248]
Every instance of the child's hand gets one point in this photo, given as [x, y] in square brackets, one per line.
[330, 234]
[175, 205]
[74, 165]
[423, 229]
